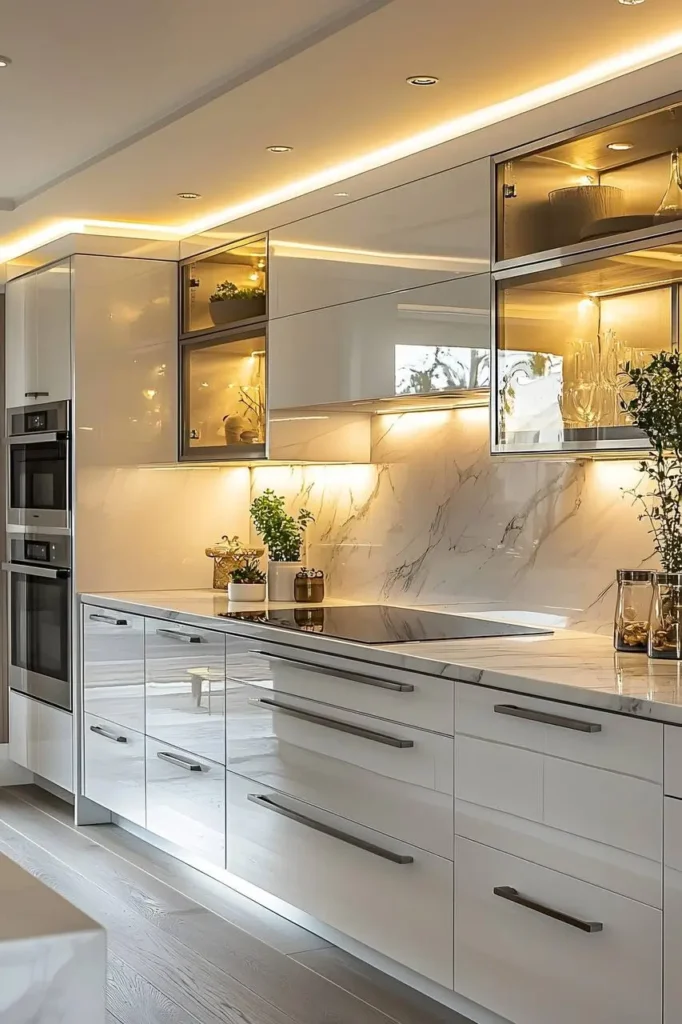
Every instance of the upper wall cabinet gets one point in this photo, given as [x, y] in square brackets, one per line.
[589, 188]
[423, 341]
[427, 231]
[224, 288]
[38, 342]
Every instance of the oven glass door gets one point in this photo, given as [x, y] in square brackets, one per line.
[39, 483]
[40, 637]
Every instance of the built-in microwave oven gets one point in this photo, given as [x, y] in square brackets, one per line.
[38, 465]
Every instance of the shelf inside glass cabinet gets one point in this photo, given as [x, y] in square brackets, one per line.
[225, 287]
[622, 178]
[224, 398]
[563, 339]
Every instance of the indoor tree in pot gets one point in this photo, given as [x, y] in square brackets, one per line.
[284, 537]
[652, 398]
[230, 303]
[247, 582]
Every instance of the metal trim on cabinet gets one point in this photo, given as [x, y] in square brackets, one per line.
[506, 892]
[546, 718]
[355, 677]
[334, 723]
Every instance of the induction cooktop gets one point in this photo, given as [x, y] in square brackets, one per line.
[383, 624]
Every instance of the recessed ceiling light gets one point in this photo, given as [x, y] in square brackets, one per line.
[630, 3]
[189, 195]
[620, 146]
[280, 149]
[422, 80]
[4, 61]
[341, 195]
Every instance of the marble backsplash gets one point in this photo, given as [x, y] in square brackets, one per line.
[436, 520]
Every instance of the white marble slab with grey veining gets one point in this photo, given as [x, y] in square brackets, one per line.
[52, 957]
[571, 666]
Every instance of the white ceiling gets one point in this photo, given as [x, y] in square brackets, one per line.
[110, 108]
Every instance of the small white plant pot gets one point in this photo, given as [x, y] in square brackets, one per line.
[281, 576]
[246, 591]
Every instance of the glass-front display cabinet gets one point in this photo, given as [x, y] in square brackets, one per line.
[223, 396]
[224, 288]
[563, 333]
[595, 186]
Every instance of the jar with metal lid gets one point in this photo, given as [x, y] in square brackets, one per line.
[665, 625]
[309, 586]
[631, 624]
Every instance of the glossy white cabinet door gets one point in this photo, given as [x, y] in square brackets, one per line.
[20, 345]
[531, 968]
[672, 911]
[365, 349]
[113, 666]
[186, 800]
[419, 233]
[393, 897]
[53, 332]
[41, 739]
[114, 769]
[185, 687]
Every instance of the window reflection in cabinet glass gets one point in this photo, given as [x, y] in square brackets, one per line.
[619, 178]
[225, 287]
[563, 338]
[224, 397]
[424, 369]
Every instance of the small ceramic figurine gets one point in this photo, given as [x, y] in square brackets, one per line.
[234, 427]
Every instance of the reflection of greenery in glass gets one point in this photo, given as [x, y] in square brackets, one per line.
[420, 369]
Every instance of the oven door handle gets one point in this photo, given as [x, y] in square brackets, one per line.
[37, 570]
[38, 437]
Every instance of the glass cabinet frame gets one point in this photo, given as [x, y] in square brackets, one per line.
[612, 126]
[624, 440]
[207, 256]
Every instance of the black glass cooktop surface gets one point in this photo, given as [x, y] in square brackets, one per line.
[383, 624]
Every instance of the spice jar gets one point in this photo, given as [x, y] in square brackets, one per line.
[631, 624]
[309, 586]
[665, 626]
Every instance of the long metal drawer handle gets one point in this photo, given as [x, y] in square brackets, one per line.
[546, 718]
[334, 723]
[355, 677]
[180, 762]
[507, 893]
[110, 619]
[185, 638]
[270, 805]
[101, 731]
[36, 394]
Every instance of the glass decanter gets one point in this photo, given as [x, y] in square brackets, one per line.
[671, 204]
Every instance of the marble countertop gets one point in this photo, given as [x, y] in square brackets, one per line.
[579, 668]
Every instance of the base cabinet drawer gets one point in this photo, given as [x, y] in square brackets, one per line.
[41, 739]
[186, 800]
[536, 946]
[395, 898]
[114, 768]
[113, 666]
[672, 911]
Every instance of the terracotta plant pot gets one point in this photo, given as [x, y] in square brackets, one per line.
[228, 311]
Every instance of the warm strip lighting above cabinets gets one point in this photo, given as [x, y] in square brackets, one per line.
[594, 74]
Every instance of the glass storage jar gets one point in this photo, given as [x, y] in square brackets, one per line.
[631, 624]
[665, 622]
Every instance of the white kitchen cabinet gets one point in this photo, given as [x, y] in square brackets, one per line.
[114, 768]
[38, 328]
[535, 946]
[377, 347]
[392, 778]
[416, 234]
[186, 800]
[113, 666]
[185, 687]
[672, 912]
[41, 739]
[395, 898]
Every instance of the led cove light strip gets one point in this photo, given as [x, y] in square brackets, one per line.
[594, 74]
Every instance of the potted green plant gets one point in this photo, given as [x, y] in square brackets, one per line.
[284, 538]
[247, 582]
[230, 303]
[652, 398]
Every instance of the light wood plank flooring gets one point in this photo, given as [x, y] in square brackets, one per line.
[184, 949]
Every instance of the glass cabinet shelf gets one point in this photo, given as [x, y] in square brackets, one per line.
[612, 181]
[562, 337]
[224, 287]
[223, 397]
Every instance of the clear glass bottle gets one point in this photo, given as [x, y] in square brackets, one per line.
[665, 623]
[671, 204]
[631, 623]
